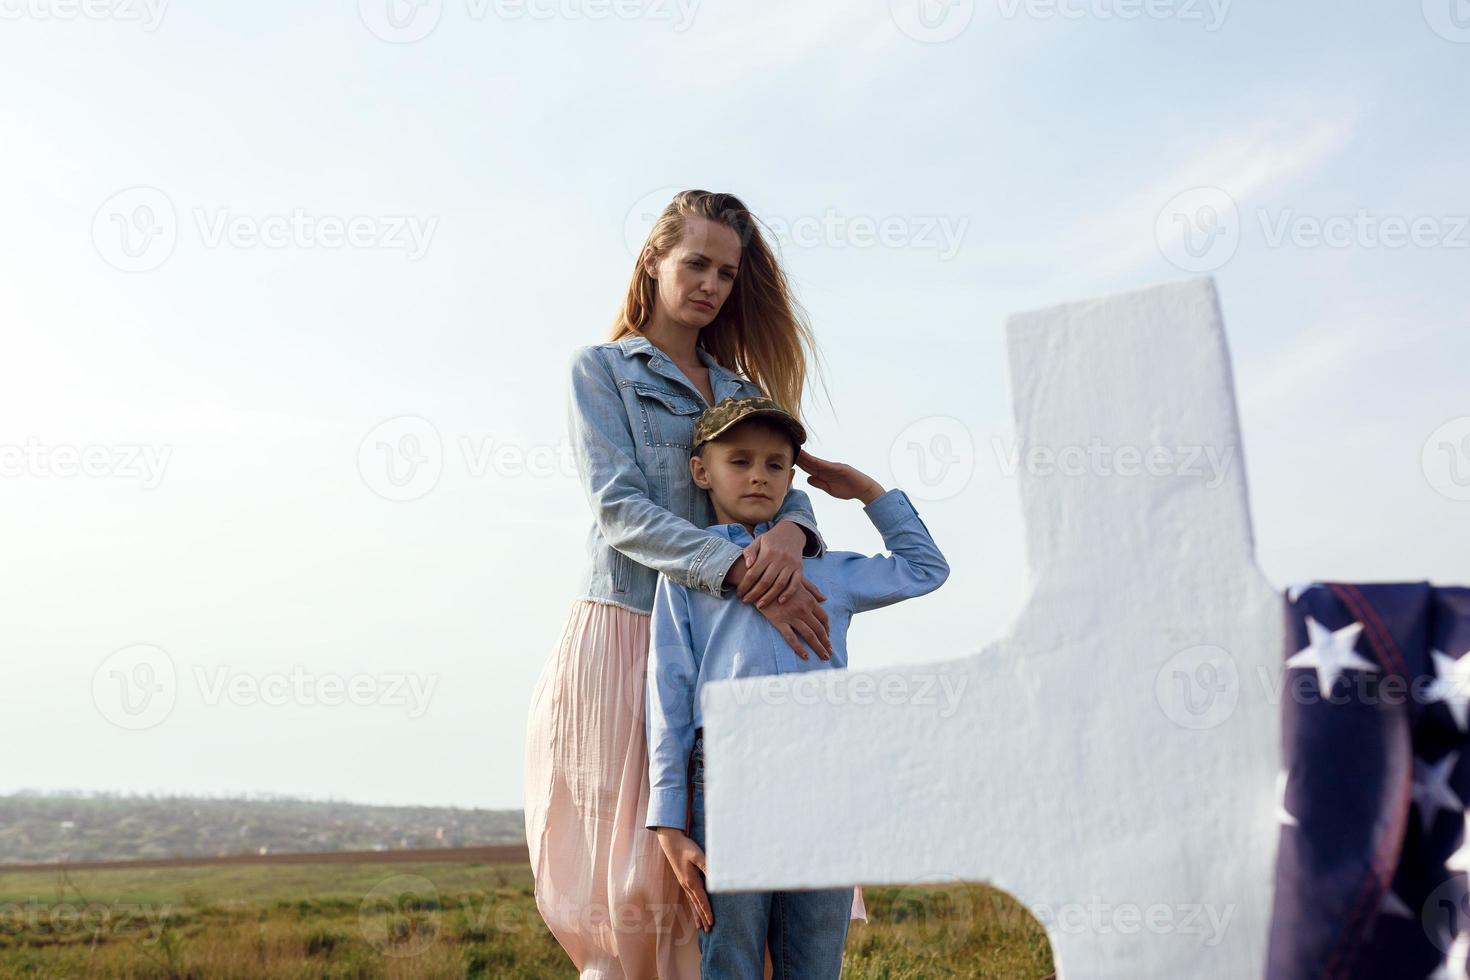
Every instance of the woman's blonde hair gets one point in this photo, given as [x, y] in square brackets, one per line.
[760, 331]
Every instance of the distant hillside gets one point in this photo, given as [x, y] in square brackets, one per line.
[102, 827]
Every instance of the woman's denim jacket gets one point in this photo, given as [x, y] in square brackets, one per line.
[630, 413]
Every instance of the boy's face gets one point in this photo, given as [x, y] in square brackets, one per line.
[747, 472]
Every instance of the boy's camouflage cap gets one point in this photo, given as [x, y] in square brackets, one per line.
[716, 419]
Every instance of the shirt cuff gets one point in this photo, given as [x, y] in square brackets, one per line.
[667, 808]
[889, 508]
[709, 574]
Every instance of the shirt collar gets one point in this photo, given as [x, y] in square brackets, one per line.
[720, 377]
[637, 343]
[736, 532]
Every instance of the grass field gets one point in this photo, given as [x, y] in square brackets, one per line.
[430, 920]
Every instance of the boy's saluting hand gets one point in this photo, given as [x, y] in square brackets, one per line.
[838, 479]
[687, 860]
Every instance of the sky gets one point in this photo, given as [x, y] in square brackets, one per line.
[256, 258]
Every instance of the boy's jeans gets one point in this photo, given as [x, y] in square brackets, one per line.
[806, 929]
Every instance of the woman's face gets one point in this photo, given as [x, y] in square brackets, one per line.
[696, 276]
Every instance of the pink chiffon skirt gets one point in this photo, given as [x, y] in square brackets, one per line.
[602, 883]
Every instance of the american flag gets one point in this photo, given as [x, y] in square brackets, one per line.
[1373, 852]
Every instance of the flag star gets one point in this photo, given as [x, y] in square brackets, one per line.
[1460, 860]
[1330, 652]
[1432, 788]
[1283, 815]
[1393, 905]
[1451, 685]
[1453, 967]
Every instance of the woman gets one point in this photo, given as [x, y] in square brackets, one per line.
[706, 292]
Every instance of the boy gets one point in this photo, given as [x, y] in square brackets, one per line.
[744, 451]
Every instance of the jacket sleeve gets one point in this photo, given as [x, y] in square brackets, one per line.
[607, 464]
[669, 706]
[797, 508]
[914, 568]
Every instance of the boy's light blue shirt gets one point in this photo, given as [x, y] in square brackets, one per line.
[697, 638]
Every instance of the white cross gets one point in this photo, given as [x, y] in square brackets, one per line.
[1113, 761]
